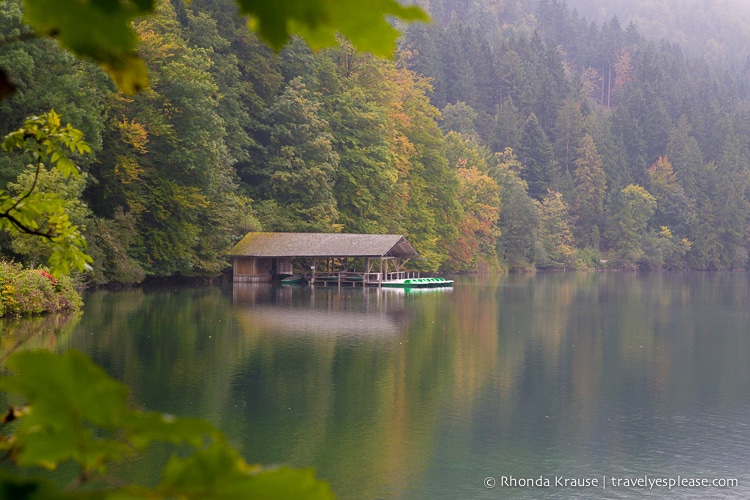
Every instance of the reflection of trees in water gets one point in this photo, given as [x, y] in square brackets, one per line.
[173, 347]
[600, 358]
[52, 331]
[324, 312]
[353, 380]
[360, 377]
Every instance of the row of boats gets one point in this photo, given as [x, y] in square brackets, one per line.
[298, 279]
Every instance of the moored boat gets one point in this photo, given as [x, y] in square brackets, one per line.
[326, 278]
[418, 283]
[295, 279]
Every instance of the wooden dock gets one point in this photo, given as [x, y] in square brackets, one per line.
[349, 278]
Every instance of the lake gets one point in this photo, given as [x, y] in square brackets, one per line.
[553, 385]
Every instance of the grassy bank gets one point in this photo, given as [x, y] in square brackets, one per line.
[25, 292]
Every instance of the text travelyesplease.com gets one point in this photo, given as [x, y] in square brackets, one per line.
[604, 482]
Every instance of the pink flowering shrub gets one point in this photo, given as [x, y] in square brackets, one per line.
[26, 292]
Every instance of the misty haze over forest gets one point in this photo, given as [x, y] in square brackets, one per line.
[715, 28]
[718, 29]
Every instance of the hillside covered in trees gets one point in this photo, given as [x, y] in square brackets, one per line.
[498, 137]
[718, 30]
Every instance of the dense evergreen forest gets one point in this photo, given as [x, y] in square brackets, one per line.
[500, 137]
[718, 30]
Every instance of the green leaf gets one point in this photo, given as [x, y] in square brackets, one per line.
[77, 411]
[143, 428]
[128, 71]
[102, 30]
[47, 141]
[67, 395]
[363, 22]
[99, 29]
[218, 472]
[284, 483]
[70, 381]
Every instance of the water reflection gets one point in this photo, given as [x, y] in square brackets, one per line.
[306, 311]
[353, 394]
[395, 395]
[42, 332]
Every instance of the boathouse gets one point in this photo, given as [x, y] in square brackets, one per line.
[261, 257]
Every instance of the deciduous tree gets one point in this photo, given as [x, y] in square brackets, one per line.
[628, 223]
[301, 164]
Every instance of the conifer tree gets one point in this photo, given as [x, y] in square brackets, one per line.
[568, 134]
[535, 154]
[555, 235]
[587, 204]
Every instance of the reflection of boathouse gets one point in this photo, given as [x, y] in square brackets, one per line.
[261, 257]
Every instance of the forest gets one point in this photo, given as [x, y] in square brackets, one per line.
[499, 137]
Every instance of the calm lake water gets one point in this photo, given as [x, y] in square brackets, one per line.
[592, 377]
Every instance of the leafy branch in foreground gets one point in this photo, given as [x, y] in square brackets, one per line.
[102, 29]
[74, 412]
[43, 214]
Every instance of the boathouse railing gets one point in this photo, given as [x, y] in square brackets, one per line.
[378, 278]
[354, 279]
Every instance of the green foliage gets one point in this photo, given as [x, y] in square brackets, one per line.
[568, 133]
[535, 153]
[103, 30]
[47, 77]
[637, 101]
[588, 258]
[110, 242]
[220, 144]
[628, 223]
[46, 140]
[663, 250]
[590, 189]
[168, 173]
[68, 190]
[433, 211]
[301, 162]
[459, 117]
[361, 21]
[74, 412]
[25, 292]
[554, 233]
[40, 213]
[519, 216]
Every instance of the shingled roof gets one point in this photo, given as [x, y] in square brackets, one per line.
[323, 245]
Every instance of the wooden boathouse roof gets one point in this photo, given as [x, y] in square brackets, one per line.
[323, 245]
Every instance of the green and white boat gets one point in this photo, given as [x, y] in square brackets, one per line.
[295, 279]
[418, 283]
